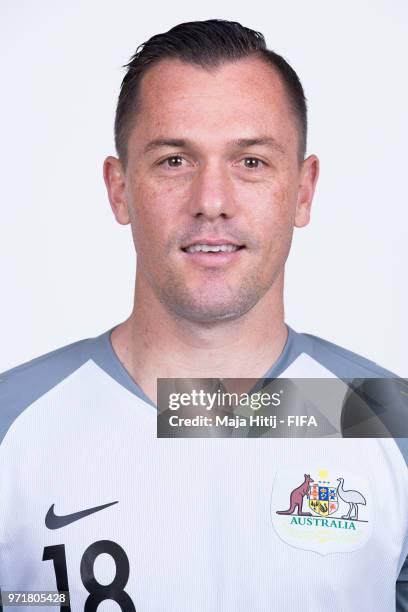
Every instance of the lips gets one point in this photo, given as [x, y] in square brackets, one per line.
[213, 254]
[212, 246]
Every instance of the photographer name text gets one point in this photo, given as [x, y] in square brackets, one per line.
[236, 422]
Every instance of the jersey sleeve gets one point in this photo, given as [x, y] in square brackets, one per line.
[402, 588]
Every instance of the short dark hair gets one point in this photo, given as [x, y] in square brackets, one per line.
[207, 44]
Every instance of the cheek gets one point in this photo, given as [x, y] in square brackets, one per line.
[275, 220]
[273, 205]
[152, 214]
[159, 198]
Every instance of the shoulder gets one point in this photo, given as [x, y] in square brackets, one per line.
[376, 400]
[343, 362]
[22, 385]
[44, 371]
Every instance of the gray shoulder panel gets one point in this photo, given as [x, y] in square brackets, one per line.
[370, 386]
[24, 384]
[344, 363]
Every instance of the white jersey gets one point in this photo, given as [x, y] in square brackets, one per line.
[91, 501]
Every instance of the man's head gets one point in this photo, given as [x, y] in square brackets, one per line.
[207, 44]
[211, 135]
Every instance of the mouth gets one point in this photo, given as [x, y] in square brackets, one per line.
[213, 253]
[213, 248]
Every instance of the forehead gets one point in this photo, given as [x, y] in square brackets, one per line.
[241, 98]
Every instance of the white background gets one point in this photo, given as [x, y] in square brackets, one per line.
[67, 269]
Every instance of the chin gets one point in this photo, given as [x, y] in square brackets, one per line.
[211, 302]
[211, 313]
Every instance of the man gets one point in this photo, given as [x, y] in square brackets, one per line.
[211, 174]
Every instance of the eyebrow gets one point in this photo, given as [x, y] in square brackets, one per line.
[242, 143]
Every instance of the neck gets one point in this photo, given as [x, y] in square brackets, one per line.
[154, 343]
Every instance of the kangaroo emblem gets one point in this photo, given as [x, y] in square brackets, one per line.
[296, 498]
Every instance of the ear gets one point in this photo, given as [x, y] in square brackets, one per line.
[308, 178]
[114, 177]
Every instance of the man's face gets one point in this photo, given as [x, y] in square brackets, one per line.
[213, 161]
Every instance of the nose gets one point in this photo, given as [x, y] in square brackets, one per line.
[212, 193]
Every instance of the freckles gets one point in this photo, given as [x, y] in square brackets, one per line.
[169, 194]
[281, 197]
[277, 199]
[277, 221]
[156, 208]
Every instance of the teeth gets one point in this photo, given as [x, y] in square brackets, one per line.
[212, 248]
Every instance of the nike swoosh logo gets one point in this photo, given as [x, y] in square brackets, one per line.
[52, 521]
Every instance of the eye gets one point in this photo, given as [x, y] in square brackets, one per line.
[174, 161]
[253, 162]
